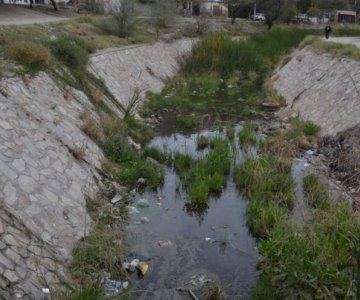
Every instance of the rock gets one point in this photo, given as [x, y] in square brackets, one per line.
[271, 105]
[1, 227]
[11, 276]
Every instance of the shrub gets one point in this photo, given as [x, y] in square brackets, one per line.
[118, 150]
[311, 128]
[123, 17]
[70, 50]
[35, 56]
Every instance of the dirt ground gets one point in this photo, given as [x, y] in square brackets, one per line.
[343, 153]
[11, 14]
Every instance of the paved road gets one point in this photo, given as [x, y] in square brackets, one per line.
[345, 40]
[11, 14]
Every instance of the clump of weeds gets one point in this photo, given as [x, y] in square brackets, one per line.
[269, 190]
[205, 176]
[246, 135]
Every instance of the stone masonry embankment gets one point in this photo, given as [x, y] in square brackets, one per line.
[321, 88]
[43, 184]
[143, 67]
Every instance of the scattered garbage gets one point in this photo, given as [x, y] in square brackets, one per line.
[210, 240]
[142, 203]
[219, 227]
[143, 267]
[136, 264]
[145, 220]
[113, 287]
[163, 244]
[45, 290]
[116, 199]
[133, 210]
[309, 152]
[133, 144]
[141, 181]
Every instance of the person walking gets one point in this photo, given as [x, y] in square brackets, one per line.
[327, 31]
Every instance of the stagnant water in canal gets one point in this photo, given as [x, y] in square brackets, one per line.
[216, 245]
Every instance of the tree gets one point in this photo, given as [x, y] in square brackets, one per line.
[239, 9]
[274, 9]
[122, 13]
[163, 12]
[52, 2]
[303, 5]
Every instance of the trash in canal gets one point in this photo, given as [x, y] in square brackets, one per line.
[143, 267]
[310, 152]
[133, 210]
[142, 203]
[210, 240]
[136, 264]
[113, 287]
[163, 244]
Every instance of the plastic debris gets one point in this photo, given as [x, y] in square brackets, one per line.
[135, 262]
[116, 199]
[143, 267]
[163, 244]
[45, 290]
[210, 240]
[145, 220]
[133, 210]
[142, 203]
[113, 287]
[309, 152]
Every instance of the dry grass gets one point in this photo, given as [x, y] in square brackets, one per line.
[92, 128]
[336, 49]
[30, 54]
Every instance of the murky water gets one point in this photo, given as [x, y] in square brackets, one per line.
[215, 246]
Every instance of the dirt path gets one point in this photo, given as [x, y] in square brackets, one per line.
[11, 14]
[345, 40]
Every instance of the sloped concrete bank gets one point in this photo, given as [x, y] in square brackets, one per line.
[44, 183]
[326, 90]
[143, 68]
[321, 88]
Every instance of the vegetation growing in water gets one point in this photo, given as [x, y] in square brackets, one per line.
[269, 190]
